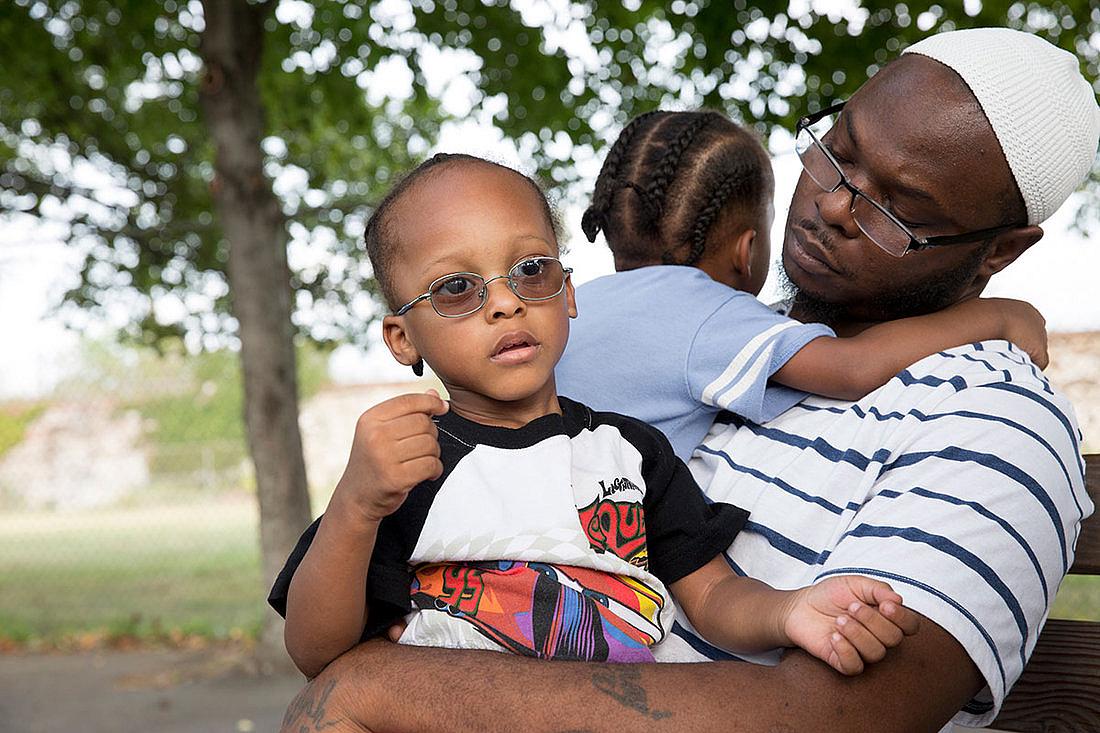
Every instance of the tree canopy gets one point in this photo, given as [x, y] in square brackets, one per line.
[101, 130]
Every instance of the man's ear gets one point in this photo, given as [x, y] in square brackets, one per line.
[1007, 247]
[570, 297]
[397, 340]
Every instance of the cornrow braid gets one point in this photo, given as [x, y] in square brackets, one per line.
[651, 207]
[686, 172]
[666, 170]
[595, 216]
[704, 220]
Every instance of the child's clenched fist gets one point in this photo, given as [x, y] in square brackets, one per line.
[396, 447]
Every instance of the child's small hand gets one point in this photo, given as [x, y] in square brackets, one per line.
[848, 621]
[1020, 323]
[396, 447]
[1026, 327]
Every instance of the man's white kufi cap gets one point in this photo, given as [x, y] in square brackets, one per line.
[1041, 108]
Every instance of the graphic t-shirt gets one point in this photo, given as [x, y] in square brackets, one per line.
[554, 540]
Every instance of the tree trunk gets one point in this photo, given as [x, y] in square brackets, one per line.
[259, 281]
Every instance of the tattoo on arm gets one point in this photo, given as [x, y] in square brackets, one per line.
[623, 683]
[307, 711]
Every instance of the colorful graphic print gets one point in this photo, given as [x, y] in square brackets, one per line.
[617, 527]
[546, 611]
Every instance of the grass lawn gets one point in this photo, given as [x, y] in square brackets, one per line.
[193, 568]
[142, 571]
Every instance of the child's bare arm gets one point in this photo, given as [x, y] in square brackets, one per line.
[844, 621]
[395, 448]
[326, 602]
[850, 368]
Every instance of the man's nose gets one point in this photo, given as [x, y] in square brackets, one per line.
[835, 209]
[501, 301]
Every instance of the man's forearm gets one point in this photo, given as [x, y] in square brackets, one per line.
[385, 688]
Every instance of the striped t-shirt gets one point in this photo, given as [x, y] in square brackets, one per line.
[960, 482]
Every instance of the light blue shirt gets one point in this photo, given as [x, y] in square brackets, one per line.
[670, 346]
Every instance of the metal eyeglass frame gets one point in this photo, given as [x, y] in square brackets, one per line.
[916, 243]
[484, 294]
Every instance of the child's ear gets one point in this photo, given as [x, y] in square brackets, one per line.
[570, 296]
[741, 254]
[397, 340]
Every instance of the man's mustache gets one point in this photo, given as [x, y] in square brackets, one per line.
[827, 241]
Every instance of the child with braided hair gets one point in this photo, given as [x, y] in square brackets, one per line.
[676, 335]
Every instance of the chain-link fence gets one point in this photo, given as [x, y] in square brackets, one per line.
[126, 501]
[127, 497]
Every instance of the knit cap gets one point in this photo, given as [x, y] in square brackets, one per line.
[1041, 108]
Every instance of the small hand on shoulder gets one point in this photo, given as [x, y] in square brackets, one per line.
[1017, 321]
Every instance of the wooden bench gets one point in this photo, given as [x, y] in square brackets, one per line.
[1059, 691]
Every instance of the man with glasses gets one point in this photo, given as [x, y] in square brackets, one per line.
[960, 482]
[875, 220]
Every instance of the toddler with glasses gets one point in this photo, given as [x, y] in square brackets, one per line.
[513, 519]
[677, 335]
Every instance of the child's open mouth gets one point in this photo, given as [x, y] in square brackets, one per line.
[515, 347]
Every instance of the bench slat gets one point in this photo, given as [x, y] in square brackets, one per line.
[1087, 558]
[1057, 693]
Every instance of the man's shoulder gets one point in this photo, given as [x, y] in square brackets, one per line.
[992, 381]
[977, 365]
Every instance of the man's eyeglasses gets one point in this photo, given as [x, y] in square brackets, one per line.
[873, 219]
[462, 293]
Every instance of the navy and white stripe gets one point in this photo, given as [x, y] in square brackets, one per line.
[960, 483]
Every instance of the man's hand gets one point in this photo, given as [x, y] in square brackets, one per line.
[848, 621]
[396, 447]
[394, 632]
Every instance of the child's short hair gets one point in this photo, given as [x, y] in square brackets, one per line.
[666, 181]
[381, 239]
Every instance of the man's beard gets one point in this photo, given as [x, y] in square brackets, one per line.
[915, 299]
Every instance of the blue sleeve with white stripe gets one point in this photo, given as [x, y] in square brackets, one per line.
[737, 350]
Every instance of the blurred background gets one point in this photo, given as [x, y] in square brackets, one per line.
[188, 325]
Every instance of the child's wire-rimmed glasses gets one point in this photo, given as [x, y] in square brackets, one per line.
[461, 293]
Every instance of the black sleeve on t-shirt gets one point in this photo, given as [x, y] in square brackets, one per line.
[388, 578]
[683, 530]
